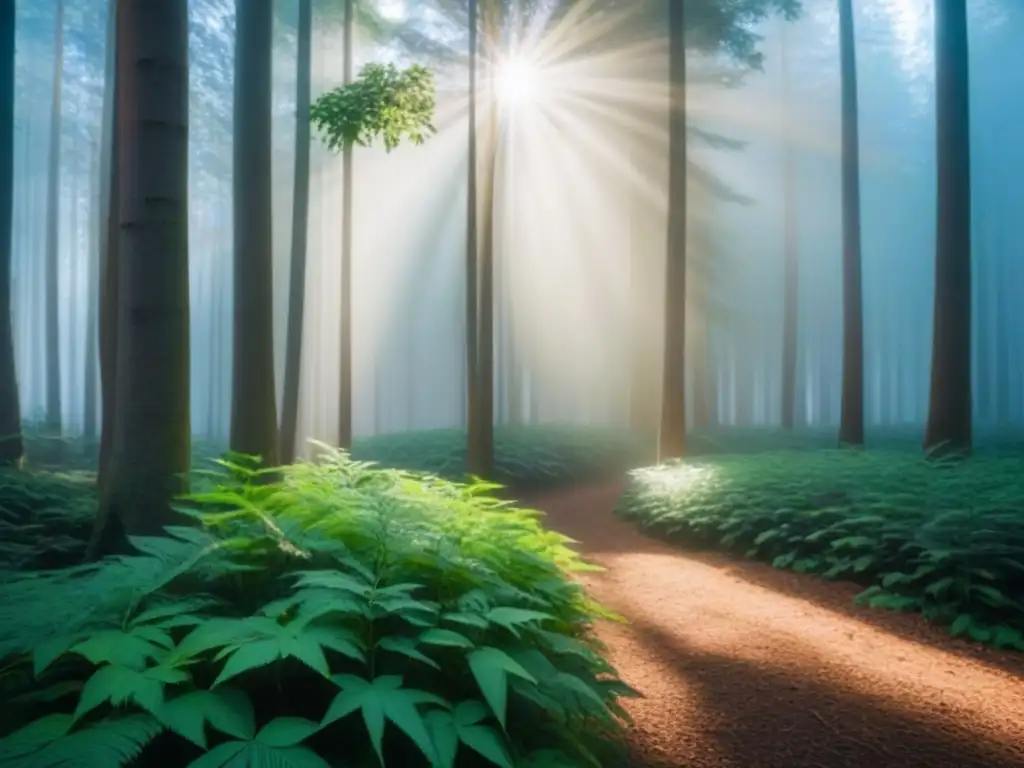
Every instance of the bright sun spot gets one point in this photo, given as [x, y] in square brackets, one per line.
[516, 81]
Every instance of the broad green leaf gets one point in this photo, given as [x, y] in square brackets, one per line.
[286, 731]
[490, 668]
[383, 698]
[406, 646]
[448, 637]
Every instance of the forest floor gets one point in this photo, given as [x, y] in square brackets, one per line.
[745, 666]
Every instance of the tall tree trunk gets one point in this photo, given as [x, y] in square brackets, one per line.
[949, 411]
[672, 437]
[253, 403]
[53, 404]
[345, 372]
[851, 418]
[484, 460]
[109, 258]
[11, 447]
[791, 256]
[150, 455]
[477, 459]
[300, 233]
[92, 308]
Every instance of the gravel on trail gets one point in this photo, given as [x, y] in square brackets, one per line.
[745, 666]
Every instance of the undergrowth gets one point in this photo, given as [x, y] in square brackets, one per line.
[942, 538]
[339, 616]
[528, 455]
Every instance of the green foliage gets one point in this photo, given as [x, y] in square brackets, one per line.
[942, 538]
[341, 612]
[527, 456]
[45, 518]
[383, 102]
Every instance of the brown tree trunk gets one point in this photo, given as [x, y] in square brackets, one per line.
[479, 273]
[851, 418]
[300, 227]
[672, 437]
[791, 280]
[253, 405]
[345, 371]
[949, 410]
[150, 452]
[92, 308]
[109, 249]
[53, 400]
[11, 447]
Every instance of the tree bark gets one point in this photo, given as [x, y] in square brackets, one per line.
[150, 451]
[949, 410]
[11, 447]
[109, 260]
[300, 227]
[253, 405]
[92, 309]
[791, 256]
[672, 437]
[53, 399]
[345, 371]
[851, 417]
[477, 453]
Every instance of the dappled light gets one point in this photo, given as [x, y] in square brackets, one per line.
[519, 383]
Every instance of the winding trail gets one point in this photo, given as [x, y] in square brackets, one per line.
[743, 666]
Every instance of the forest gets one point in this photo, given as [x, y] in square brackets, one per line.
[518, 383]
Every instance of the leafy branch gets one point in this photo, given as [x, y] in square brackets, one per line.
[382, 102]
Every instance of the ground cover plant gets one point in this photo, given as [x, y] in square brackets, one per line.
[532, 456]
[340, 615]
[943, 538]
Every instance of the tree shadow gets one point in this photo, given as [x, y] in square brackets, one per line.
[838, 597]
[757, 715]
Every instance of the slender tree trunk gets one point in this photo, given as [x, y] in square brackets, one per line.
[949, 411]
[300, 232]
[53, 404]
[791, 256]
[11, 447]
[851, 419]
[672, 437]
[253, 405]
[644, 282]
[345, 372]
[89, 414]
[110, 202]
[484, 460]
[473, 426]
[150, 455]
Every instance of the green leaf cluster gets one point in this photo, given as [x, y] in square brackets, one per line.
[383, 102]
[339, 615]
[942, 538]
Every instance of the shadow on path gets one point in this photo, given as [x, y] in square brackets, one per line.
[742, 668]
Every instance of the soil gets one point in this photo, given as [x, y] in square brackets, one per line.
[744, 666]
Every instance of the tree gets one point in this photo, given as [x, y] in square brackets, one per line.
[109, 250]
[672, 435]
[149, 457]
[345, 370]
[791, 257]
[949, 410]
[300, 227]
[53, 404]
[10, 409]
[480, 246]
[851, 418]
[384, 103]
[253, 402]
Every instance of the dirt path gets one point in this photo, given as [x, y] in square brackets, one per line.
[743, 666]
